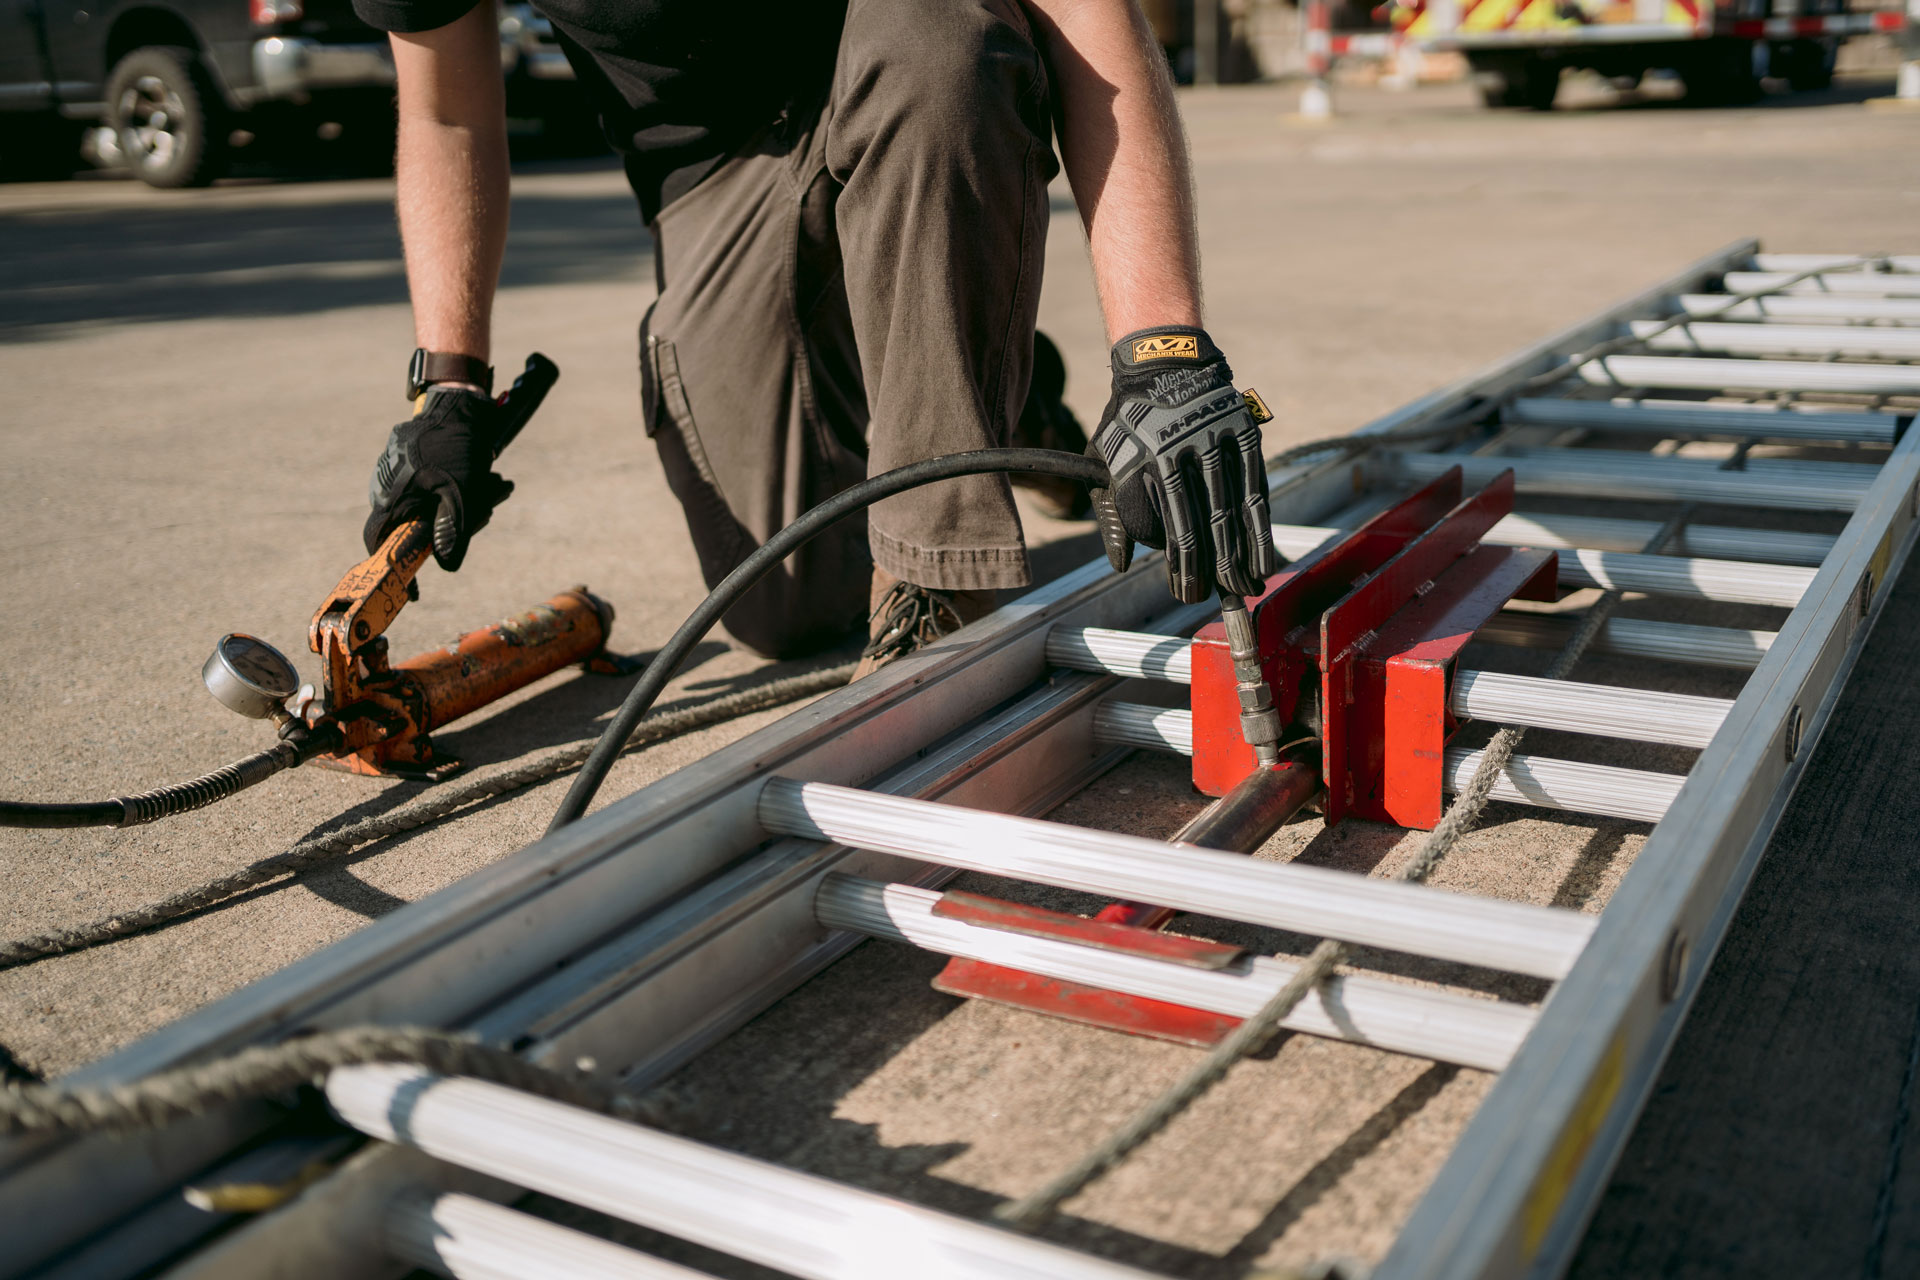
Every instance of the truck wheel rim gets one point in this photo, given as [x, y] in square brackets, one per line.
[152, 113]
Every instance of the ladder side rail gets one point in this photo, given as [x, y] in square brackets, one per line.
[1577, 1086]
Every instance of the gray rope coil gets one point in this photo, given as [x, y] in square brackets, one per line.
[1030, 1212]
[335, 845]
[265, 1070]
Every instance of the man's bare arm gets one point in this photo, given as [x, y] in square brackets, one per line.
[451, 172]
[1126, 159]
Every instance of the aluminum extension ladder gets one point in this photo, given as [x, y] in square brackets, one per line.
[632, 941]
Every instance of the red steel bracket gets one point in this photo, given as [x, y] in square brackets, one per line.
[1359, 640]
[1095, 1006]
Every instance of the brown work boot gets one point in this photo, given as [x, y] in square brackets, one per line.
[1047, 423]
[906, 616]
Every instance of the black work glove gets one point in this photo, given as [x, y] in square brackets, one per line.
[1183, 448]
[438, 466]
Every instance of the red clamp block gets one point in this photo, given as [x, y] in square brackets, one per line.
[1359, 639]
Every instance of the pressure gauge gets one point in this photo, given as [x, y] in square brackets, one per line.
[248, 675]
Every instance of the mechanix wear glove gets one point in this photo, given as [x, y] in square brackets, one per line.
[438, 466]
[1183, 448]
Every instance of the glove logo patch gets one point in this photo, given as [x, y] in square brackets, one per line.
[1184, 346]
[1180, 425]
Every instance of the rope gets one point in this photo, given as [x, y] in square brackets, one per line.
[1253, 1034]
[265, 1070]
[336, 845]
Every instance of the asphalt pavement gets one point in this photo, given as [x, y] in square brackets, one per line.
[195, 384]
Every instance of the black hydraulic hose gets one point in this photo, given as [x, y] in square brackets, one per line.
[666, 663]
[151, 806]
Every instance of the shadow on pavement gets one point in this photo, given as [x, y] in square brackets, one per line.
[198, 259]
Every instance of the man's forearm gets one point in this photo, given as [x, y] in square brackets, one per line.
[1126, 159]
[451, 174]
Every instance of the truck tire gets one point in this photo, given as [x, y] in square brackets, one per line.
[171, 123]
[1810, 63]
[1725, 72]
[1526, 81]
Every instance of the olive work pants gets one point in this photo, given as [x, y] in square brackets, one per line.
[852, 291]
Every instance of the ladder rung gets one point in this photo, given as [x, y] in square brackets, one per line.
[1559, 473]
[464, 1236]
[1387, 1015]
[1135, 654]
[1757, 375]
[1138, 655]
[1711, 541]
[1727, 581]
[1861, 284]
[1637, 638]
[1800, 308]
[1533, 780]
[1794, 262]
[1607, 711]
[790, 1221]
[1518, 937]
[1691, 578]
[1780, 339]
[1547, 783]
[1607, 533]
[1678, 417]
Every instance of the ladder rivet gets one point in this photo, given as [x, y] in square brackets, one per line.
[1675, 966]
[1866, 593]
[1794, 727]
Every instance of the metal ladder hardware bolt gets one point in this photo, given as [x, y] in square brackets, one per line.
[1259, 721]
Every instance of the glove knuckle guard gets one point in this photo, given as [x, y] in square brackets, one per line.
[437, 465]
[1178, 437]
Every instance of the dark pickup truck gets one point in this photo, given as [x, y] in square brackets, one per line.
[173, 81]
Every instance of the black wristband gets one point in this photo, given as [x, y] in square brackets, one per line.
[428, 367]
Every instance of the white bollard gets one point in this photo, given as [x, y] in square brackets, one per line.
[1315, 102]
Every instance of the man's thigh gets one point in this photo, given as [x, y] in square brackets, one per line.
[733, 401]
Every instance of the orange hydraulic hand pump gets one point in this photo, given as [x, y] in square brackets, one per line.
[385, 712]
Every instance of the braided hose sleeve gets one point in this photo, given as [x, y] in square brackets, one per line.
[181, 797]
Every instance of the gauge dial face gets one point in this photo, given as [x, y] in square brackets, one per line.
[260, 665]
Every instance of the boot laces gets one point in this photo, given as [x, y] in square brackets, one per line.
[908, 617]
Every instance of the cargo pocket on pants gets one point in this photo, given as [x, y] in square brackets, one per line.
[719, 539]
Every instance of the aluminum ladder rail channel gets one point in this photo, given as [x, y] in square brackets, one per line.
[439, 960]
[1395, 1016]
[1515, 937]
[1710, 374]
[1656, 479]
[1515, 1194]
[1857, 284]
[1779, 339]
[1801, 308]
[796, 1223]
[1685, 577]
[1668, 418]
[1608, 711]
[1540, 782]
[1137, 656]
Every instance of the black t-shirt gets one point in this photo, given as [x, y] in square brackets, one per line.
[679, 83]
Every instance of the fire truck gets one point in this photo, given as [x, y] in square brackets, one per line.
[1721, 51]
